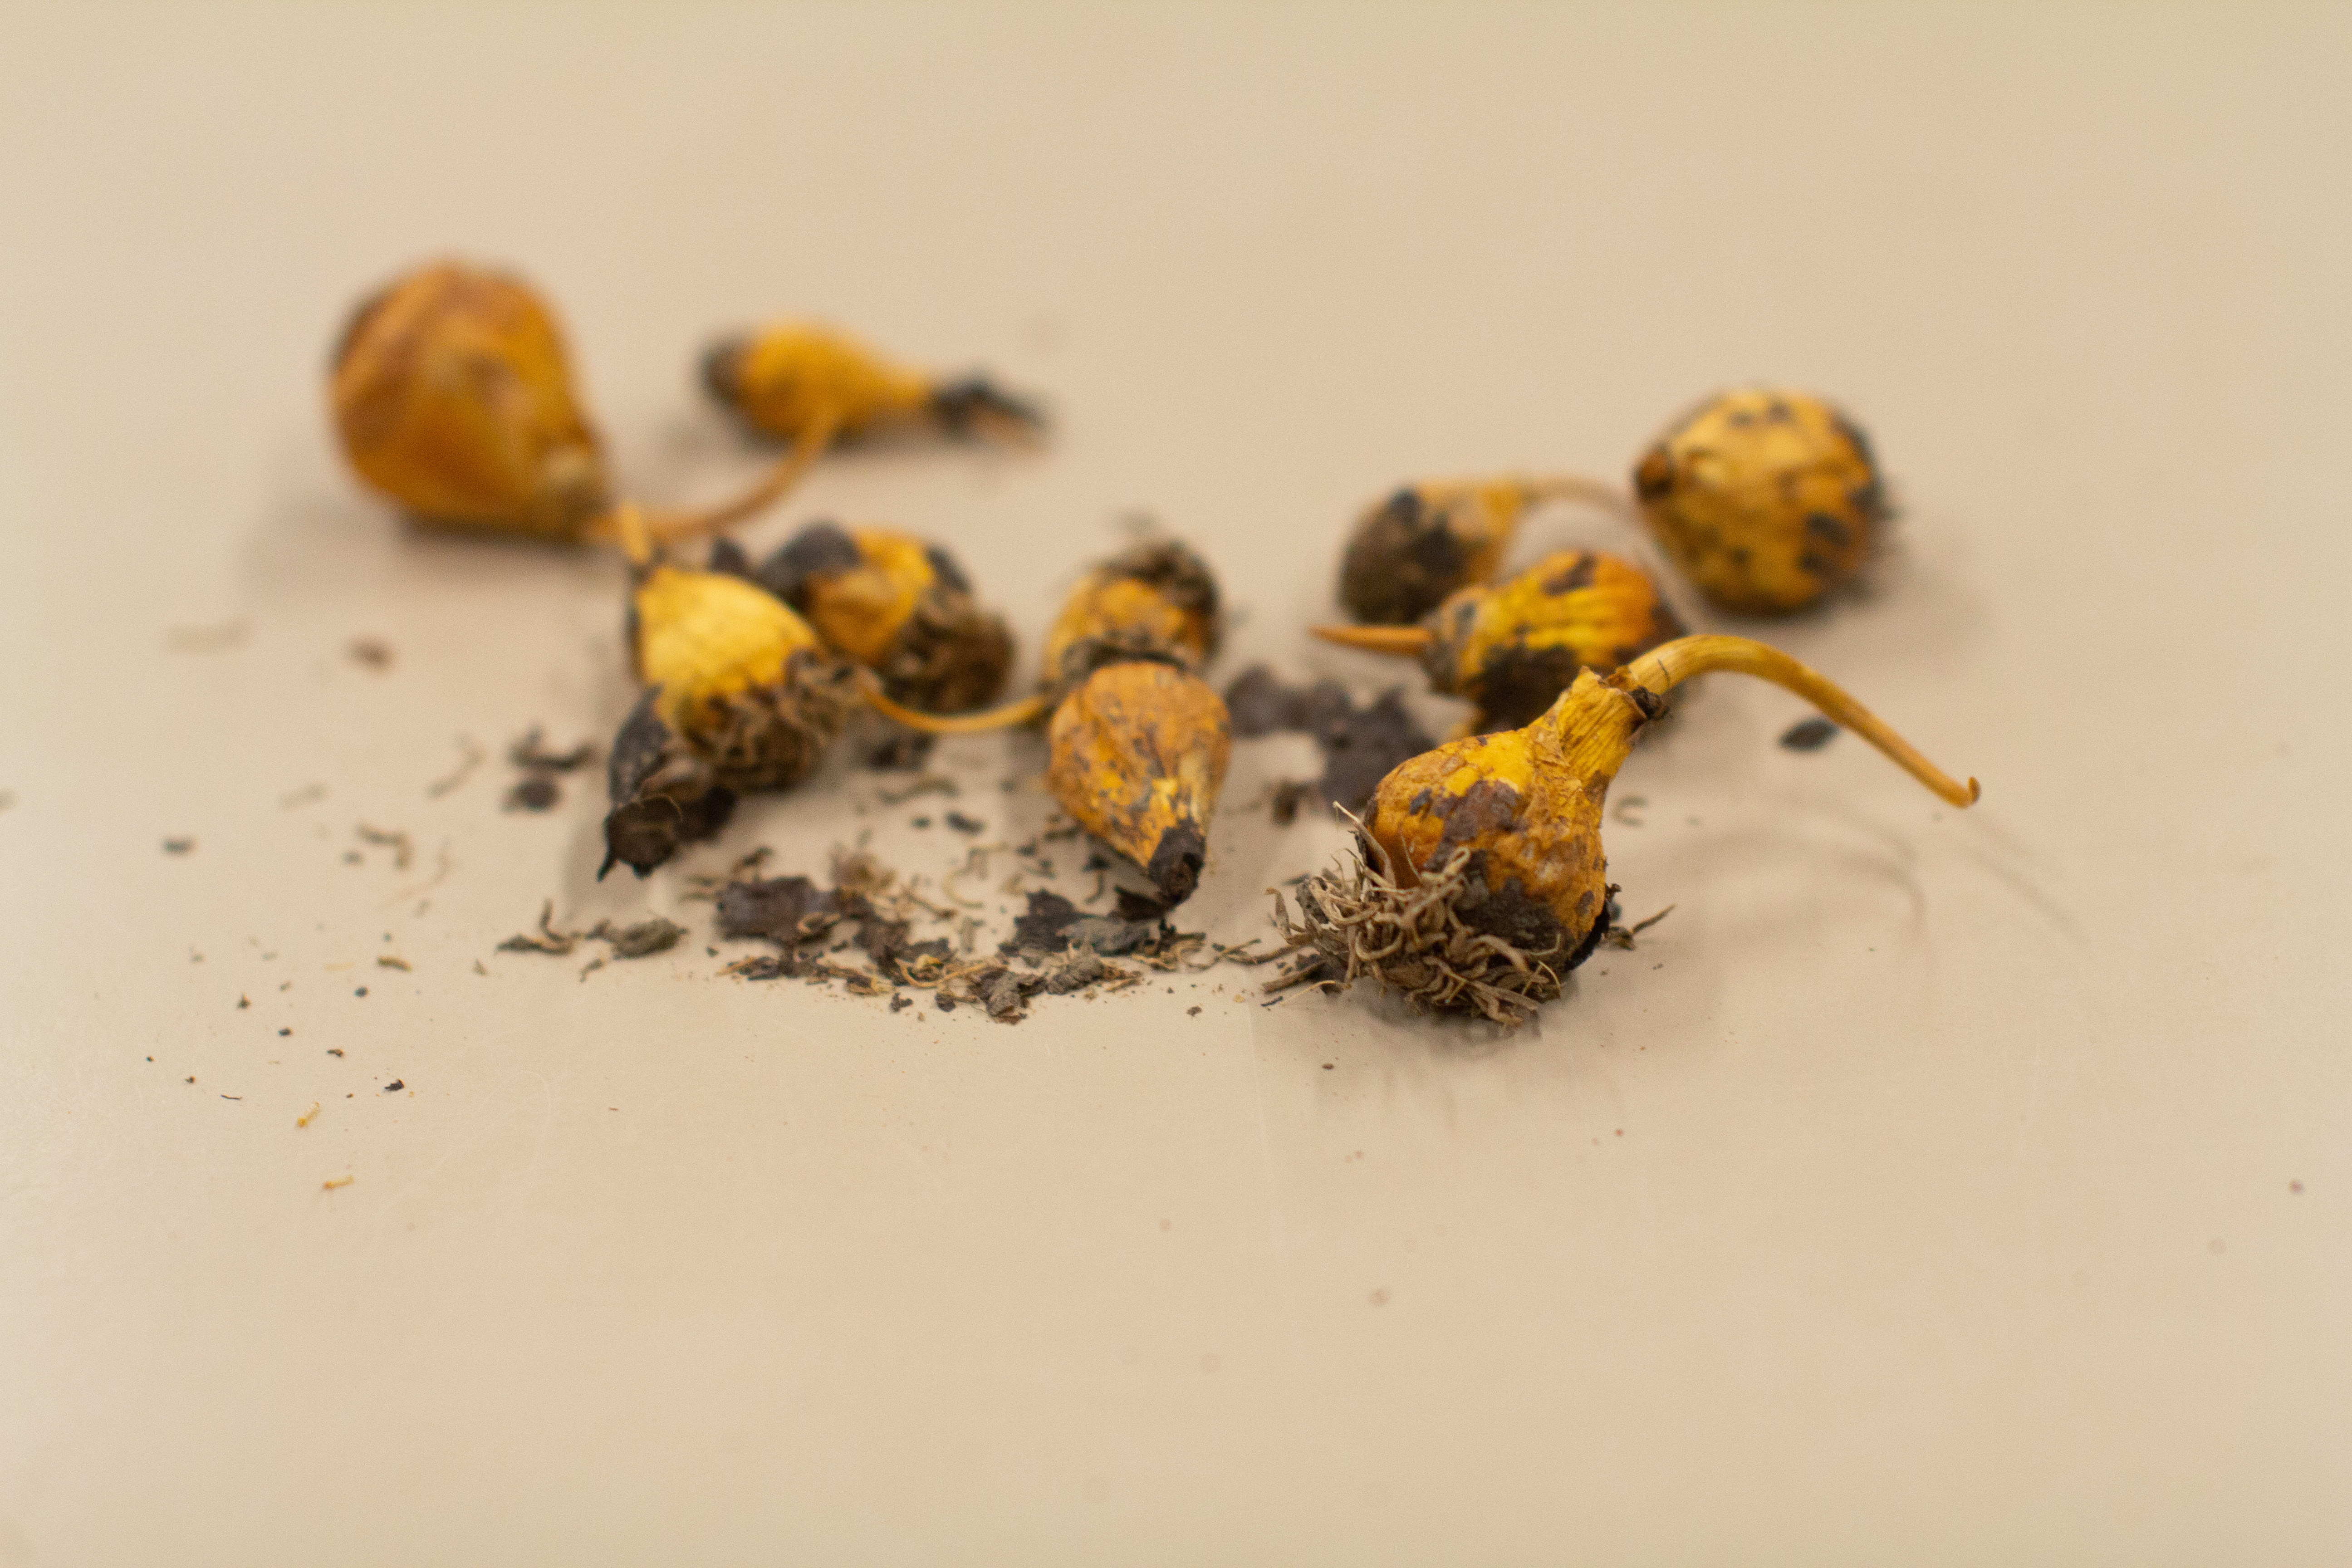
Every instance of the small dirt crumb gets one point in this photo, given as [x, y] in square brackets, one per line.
[360, 991]
[334, 1050]
[537, 793]
[922, 822]
[370, 653]
[1191, 1012]
[179, 846]
[963, 823]
[1287, 797]
[901, 751]
[1807, 735]
[285, 1031]
[387, 961]
[395, 1086]
[243, 1000]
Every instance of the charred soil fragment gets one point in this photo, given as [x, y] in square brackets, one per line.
[1359, 745]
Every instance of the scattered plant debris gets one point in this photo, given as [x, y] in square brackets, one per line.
[179, 846]
[1623, 936]
[403, 847]
[304, 1120]
[538, 790]
[331, 1182]
[471, 756]
[646, 937]
[395, 1086]
[387, 961]
[655, 933]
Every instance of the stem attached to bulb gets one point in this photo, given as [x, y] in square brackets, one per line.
[1004, 718]
[625, 526]
[676, 524]
[1662, 668]
[1411, 641]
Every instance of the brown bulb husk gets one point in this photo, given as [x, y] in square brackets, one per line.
[899, 606]
[1155, 601]
[1514, 648]
[1767, 499]
[741, 696]
[1480, 880]
[781, 378]
[1137, 755]
[453, 396]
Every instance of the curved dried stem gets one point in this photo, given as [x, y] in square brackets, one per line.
[1004, 718]
[1664, 667]
[674, 525]
[1412, 641]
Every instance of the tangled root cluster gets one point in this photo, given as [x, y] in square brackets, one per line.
[1360, 921]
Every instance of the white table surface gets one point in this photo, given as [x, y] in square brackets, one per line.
[1929, 1188]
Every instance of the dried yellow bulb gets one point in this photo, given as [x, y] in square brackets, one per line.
[789, 377]
[1481, 879]
[1426, 541]
[1138, 744]
[1138, 752]
[1155, 600]
[1513, 649]
[1768, 498]
[453, 396]
[898, 606]
[739, 696]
